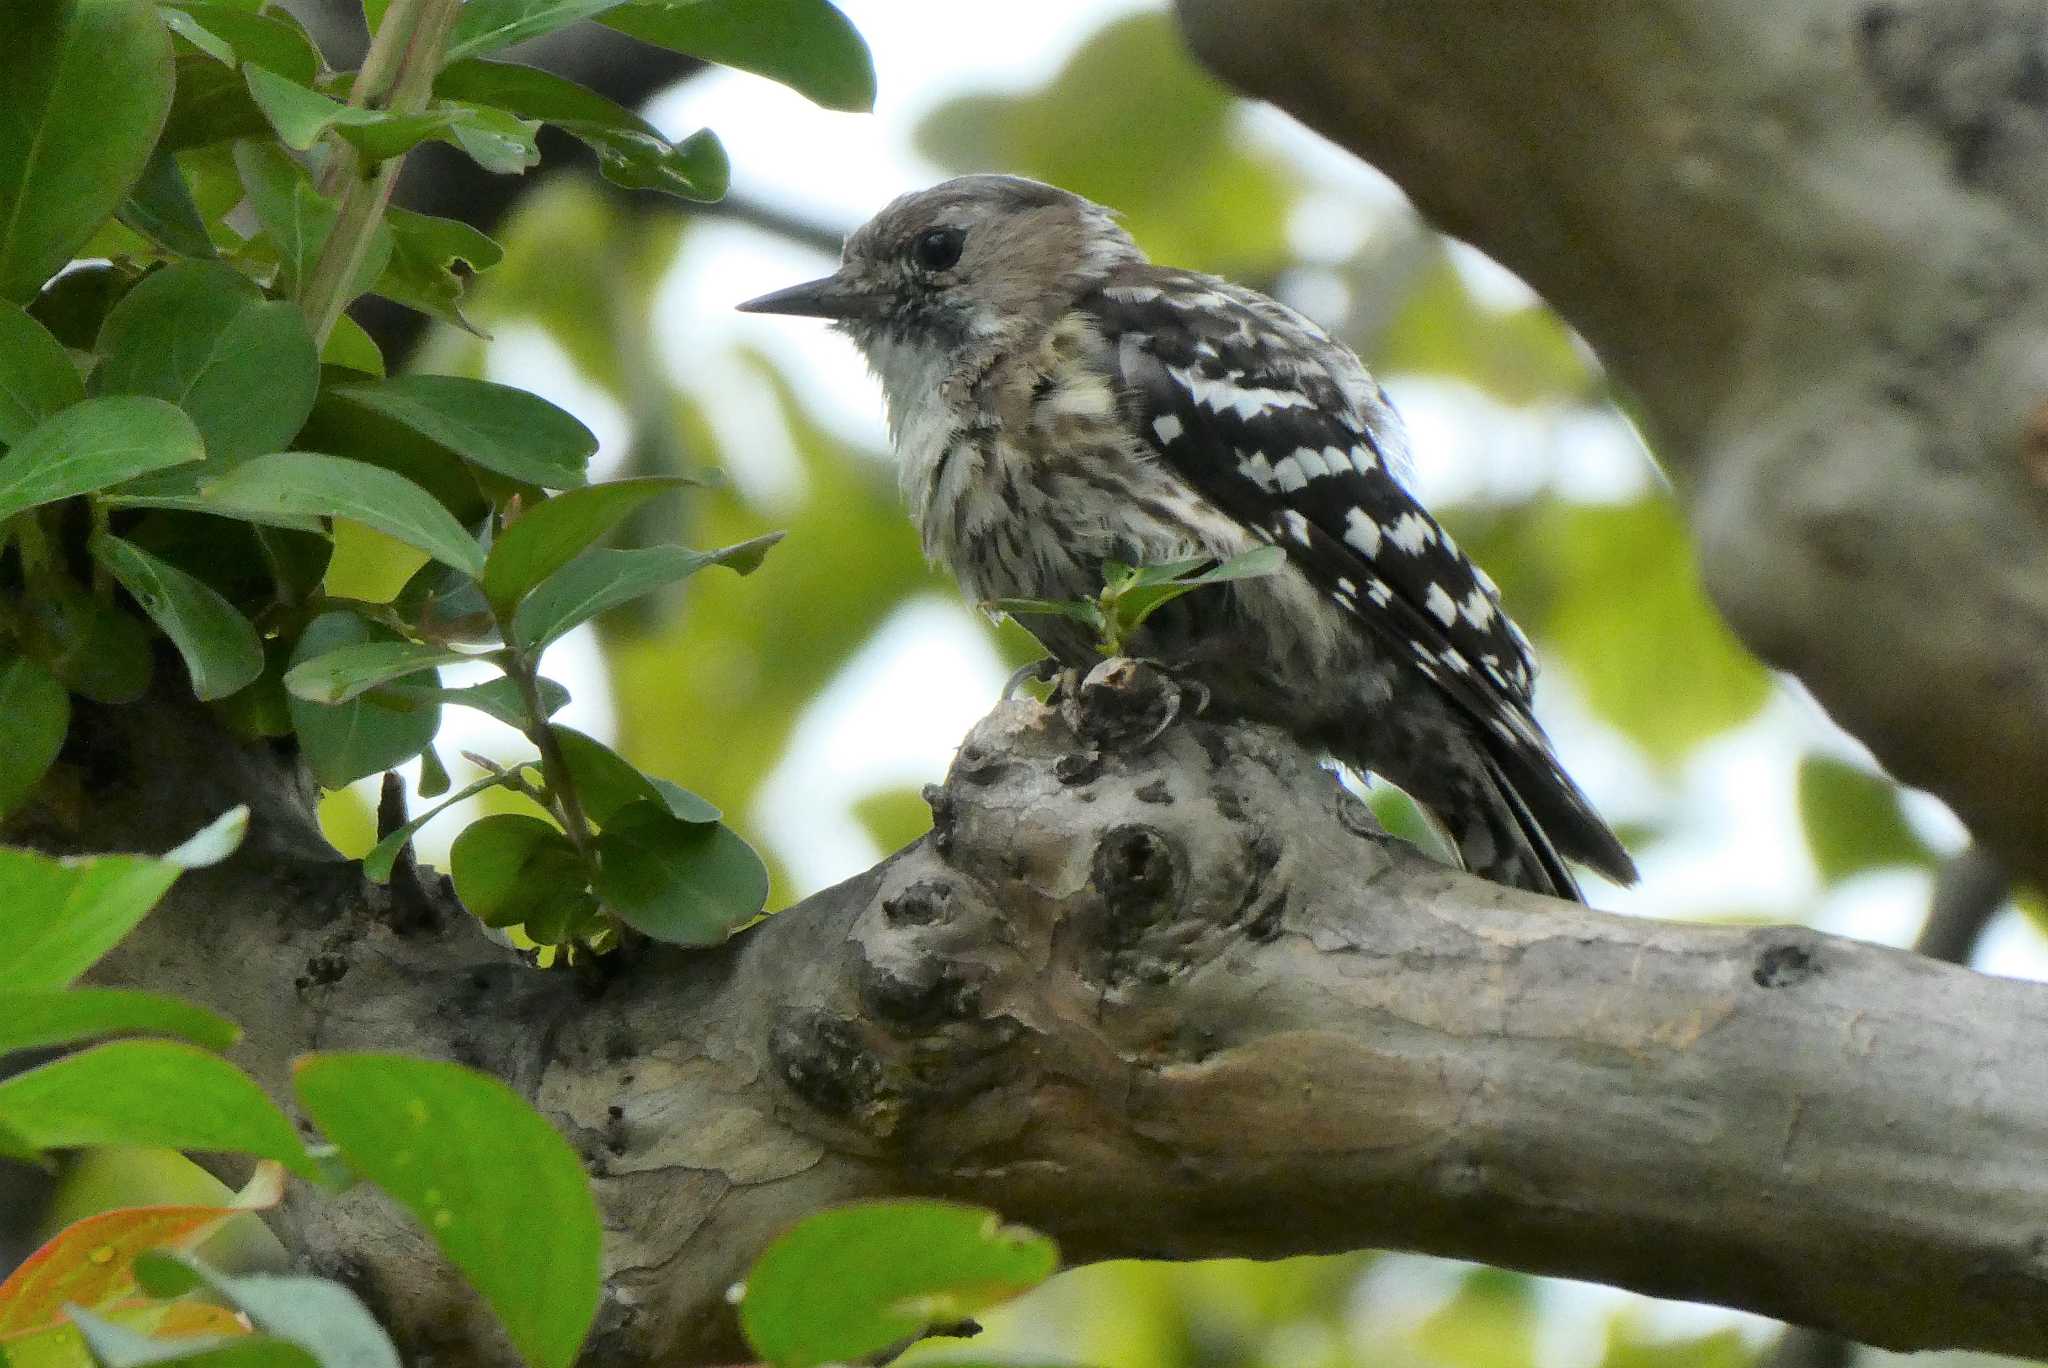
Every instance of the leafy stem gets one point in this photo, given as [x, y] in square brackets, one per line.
[523, 669]
[397, 75]
[1132, 593]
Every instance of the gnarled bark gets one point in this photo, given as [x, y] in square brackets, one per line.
[1812, 238]
[1176, 995]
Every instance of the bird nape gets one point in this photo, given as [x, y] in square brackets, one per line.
[1058, 402]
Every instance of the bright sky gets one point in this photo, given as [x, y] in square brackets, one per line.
[897, 712]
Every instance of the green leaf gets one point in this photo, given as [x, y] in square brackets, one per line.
[377, 864]
[481, 1171]
[114, 1345]
[303, 116]
[273, 40]
[66, 913]
[497, 698]
[348, 345]
[630, 151]
[856, 1279]
[605, 780]
[85, 86]
[508, 430]
[323, 1319]
[344, 742]
[160, 207]
[341, 674]
[549, 535]
[297, 219]
[499, 142]
[601, 579]
[686, 883]
[299, 483]
[487, 25]
[420, 274]
[92, 445]
[510, 868]
[1853, 822]
[1084, 611]
[35, 715]
[94, 648]
[807, 45]
[150, 1092]
[36, 378]
[221, 650]
[39, 1019]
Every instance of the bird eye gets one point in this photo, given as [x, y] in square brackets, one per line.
[935, 249]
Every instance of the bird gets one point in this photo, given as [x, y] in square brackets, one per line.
[1059, 403]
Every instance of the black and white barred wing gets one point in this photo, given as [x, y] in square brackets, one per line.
[1280, 427]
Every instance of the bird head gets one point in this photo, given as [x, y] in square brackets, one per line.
[968, 268]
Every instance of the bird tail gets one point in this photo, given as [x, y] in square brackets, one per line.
[1499, 839]
[1556, 820]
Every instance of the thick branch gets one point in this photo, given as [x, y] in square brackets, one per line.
[1179, 998]
[1810, 237]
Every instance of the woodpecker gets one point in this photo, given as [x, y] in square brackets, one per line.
[1057, 401]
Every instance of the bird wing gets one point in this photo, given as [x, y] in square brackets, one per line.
[1281, 427]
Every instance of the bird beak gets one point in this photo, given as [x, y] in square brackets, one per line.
[830, 297]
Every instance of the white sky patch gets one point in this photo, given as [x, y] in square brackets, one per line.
[526, 356]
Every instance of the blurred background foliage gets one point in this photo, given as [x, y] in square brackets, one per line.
[1525, 454]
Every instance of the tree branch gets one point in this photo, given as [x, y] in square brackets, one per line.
[1180, 998]
[1809, 238]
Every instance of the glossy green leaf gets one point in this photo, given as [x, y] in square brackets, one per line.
[236, 33]
[35, 715]
[303, 116]
[1853, 822]
[93, 445]
[630, 151]
[222, 652]
[42, 1018]
[347, 671]
[853, 1280]
[499, 142]
[482, 1172]
[686, 883]
[549, 535]
[508, 430]
[150, 1092]
[346, 741]
[807, 45]
[487, 25]
[497, 698]
[421, 274]
[378, 863]
[36, 377]
[510, 868]
[603, 579]
[85, 86]
[605, 781]
[160, 207]
[301, 483]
